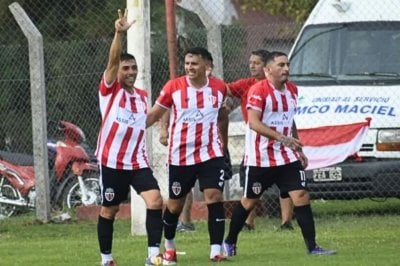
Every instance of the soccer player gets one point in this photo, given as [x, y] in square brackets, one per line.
[195, 149]
[273, 153]
[239, 89]
[121, 149]
[185, 223]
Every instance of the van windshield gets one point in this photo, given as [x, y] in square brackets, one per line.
[348, 53]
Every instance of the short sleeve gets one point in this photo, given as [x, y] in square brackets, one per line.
[165, 97]
[255, 97]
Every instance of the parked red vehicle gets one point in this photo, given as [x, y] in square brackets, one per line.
[74, 175]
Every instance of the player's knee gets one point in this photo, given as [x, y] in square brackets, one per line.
[175, 206]
[300, 197]
[212, 195]
[156, 204]
[153, 199]
[248, 204]
[109, 212]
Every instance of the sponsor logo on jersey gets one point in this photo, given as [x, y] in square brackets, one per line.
[192, 117]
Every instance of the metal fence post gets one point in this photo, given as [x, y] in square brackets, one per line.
[38, 102]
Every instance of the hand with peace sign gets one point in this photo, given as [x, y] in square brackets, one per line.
[122, 24]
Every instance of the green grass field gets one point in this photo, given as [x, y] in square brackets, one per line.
[363, 239]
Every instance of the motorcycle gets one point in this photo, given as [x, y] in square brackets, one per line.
[74, 175]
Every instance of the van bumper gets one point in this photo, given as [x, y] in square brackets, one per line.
[358, 180]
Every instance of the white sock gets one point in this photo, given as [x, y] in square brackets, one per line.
[169, 244]
[215, 250]
[153, 251]
[106, 257]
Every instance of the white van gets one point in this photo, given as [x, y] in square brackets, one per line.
[346, 64]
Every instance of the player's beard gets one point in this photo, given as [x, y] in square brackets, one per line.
[285, 78]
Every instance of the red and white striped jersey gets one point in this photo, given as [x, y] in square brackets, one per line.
[121, 142]
[194, 133]
[277, 112]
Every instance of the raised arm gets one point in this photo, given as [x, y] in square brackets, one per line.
[121, 26]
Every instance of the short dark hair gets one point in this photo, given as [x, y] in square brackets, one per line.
[126, 56]
[273, 55]
[203, 52]
[262, 53]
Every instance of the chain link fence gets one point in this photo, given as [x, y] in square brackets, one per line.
[77, 35]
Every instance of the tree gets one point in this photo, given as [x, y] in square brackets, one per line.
[296, 9]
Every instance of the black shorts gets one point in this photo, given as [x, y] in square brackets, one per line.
[182, 178]
[287, 177]
[242, 173]
[115, 183]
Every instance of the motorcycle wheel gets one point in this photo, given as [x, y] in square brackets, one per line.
[73, 195]
[8, 192]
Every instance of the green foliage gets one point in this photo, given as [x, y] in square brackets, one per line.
[72, 78]
[76, 36]
[15, 98]
[296, 9]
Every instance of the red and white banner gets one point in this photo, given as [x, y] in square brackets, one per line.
[329, 145]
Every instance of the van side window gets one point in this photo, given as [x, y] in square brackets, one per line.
[362, 54]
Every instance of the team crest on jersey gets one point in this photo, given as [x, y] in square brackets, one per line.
[212, 99]
[109, 194]
[176, 188]
[256, 188]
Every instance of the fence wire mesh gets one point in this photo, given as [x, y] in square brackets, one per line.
[77, 35]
